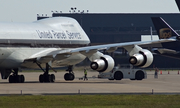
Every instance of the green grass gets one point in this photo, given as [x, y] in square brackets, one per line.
[91, 101]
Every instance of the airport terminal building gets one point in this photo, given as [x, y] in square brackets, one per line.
[103, 28]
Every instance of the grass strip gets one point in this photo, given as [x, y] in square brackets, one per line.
[90, 101]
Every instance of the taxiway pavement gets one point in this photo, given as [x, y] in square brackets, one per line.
[165, 84]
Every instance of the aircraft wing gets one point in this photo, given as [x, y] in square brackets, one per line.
[89, 50]
[113, 47]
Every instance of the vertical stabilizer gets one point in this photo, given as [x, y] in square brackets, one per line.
[164, 30]
[178, 3]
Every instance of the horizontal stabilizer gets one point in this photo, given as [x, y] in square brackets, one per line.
[164, 51]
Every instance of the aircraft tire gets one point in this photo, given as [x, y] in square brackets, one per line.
[11, 79]
[41, 78]
[22, 78]
[66, 76]
[17, 79]
[52, 77]
[48, 78]
[71, 76]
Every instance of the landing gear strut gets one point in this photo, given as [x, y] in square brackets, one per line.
[46, 77]
[15, 78]
[69, 76]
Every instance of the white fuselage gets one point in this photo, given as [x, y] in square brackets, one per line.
[19, 41]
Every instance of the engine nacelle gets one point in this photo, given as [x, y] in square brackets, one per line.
[142, 59]
[104, 64]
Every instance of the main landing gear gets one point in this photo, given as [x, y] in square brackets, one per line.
[15, 78]
[46, 77]
[69, 76]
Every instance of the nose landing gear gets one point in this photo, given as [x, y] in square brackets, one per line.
[69, 76]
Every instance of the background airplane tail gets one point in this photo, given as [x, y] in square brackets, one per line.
[164, 30]
[178, 3]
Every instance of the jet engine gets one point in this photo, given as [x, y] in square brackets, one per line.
[103, 64]
[142, 59]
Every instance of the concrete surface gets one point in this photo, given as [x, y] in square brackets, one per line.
[165, 84]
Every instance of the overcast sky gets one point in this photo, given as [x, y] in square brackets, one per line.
[27, 10]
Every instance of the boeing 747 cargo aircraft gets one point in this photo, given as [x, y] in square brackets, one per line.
[57, 42]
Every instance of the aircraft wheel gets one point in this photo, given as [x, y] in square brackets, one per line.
[16, 79]
[52, 77]
[22, 78]
[41, 78]
[71, 76]
[48, 78]
[19, 78]
[11, 79]
[66, 76]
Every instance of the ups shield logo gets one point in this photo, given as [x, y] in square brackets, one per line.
[165, 33]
